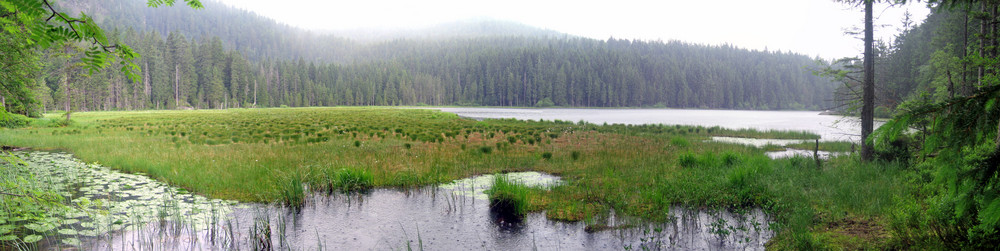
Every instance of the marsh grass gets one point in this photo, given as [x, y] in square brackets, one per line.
[293, 193]
[636, 170]
[351, 180]
[508, 196]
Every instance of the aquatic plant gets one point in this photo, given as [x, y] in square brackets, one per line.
[293, 193]
[508, 196]
[351, 179]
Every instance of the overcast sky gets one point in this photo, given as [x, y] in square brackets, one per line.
[812, 27]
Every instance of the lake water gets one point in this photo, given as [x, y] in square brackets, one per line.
[829, 127]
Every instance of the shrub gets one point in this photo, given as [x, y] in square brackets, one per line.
[575, 155]
[546, 155]
[357, 143]
[12, 120]
[545, 102]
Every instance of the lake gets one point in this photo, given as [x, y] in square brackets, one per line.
[829, 127]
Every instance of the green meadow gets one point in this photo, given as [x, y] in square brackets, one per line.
[267, 155]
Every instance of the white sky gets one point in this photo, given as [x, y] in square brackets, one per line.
[811, 27]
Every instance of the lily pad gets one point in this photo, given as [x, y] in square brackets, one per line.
[41, 228]
[67, 231]
[8, 237]
[71, 241]
[89, 233]
[32, 238]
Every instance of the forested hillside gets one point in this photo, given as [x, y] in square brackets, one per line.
[221, 57]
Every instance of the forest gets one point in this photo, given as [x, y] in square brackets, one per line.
[228, 65]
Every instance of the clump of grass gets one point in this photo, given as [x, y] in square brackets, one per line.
[679, 142]
[292, 193]
[687, 160]
[575, 155]
[357, 143]
[486, 149]
[730, 158]
[508, 196]
[351, 179]
[407, 145]
[546, 155]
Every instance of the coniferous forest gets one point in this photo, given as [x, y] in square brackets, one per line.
[211, 58]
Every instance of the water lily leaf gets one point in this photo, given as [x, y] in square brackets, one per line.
[67, 231]
[71, 241]
[88, 233]
[32, 238]
[8, 237]
[41, 228]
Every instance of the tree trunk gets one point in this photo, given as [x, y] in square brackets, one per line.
[177, 80]
[965, 53]
[868, 96]
[147, 90]
[69, 93]
[982, 44]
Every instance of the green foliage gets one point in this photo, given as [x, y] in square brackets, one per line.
[27, 201]
[11, 120]
[546, 155]
[545, 102]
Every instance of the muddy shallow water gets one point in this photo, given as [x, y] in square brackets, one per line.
[449, 216]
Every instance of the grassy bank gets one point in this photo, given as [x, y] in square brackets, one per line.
[254, 155]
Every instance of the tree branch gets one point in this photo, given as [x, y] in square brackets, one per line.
[70, 21]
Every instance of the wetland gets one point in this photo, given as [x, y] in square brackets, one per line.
[382, 178]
